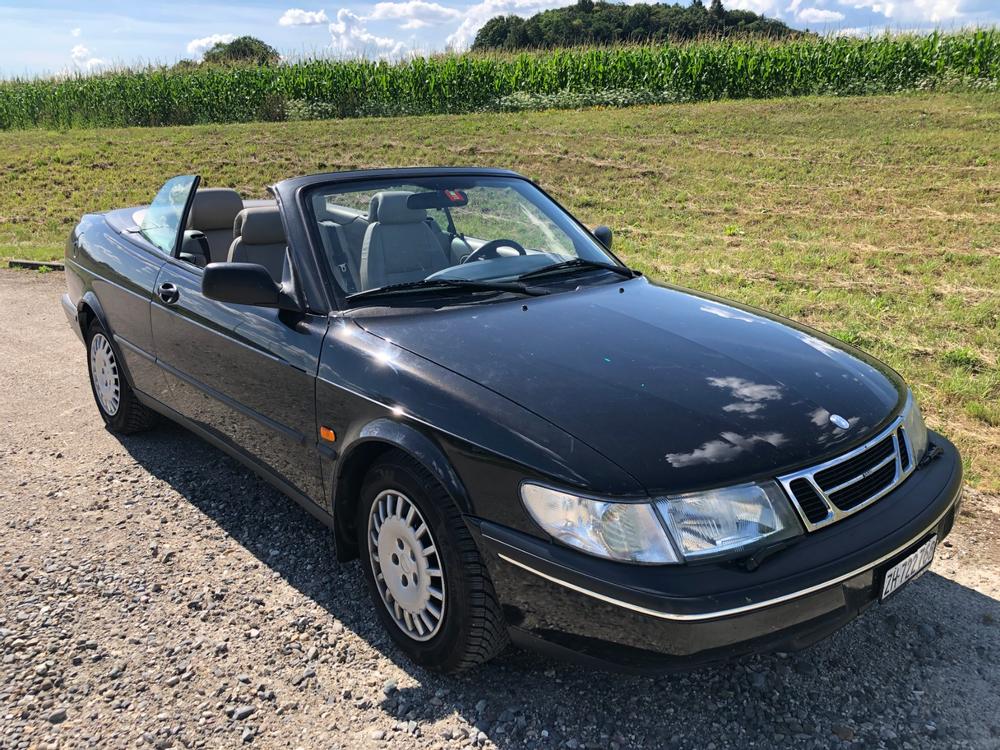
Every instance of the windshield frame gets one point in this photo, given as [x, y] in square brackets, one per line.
[304, 188]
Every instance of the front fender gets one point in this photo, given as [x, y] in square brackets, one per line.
[364, 447]
[410, 440]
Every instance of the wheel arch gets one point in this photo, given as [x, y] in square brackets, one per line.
[374, 440]
[88, 308]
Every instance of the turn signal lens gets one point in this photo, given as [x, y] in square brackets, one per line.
[327, 434]
[915, 429]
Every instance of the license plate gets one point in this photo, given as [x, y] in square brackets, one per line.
[909, 567]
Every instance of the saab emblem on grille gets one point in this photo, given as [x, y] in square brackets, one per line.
[870, 472]
[839, 421]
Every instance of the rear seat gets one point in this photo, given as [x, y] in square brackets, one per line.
[259, 238]
[213, 212]
[343, 232]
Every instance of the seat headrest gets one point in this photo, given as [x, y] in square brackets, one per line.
[259, 226]
[389, 207]
[214, 208]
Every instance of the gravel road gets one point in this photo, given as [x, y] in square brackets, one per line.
[155, 592]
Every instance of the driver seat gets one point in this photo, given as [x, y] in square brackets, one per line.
[399, 245]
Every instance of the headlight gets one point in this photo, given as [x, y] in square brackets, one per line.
[914, 428]
[629, 532]
[730, 519]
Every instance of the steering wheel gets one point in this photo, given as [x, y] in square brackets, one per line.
[489, 250]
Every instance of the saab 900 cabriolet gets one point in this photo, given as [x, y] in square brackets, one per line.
[519, 436]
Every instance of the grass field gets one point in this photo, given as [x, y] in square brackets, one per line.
[875, 219]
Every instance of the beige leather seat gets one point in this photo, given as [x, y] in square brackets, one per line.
[213, 212]
[259, 238]
[399, 244]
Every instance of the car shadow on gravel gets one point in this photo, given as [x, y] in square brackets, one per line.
[919, 669]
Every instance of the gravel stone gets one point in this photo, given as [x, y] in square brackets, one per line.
[242, 712]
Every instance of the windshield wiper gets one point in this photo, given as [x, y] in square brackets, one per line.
[445, 284]
[579, 263]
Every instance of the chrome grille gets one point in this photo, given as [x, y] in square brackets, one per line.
[837, 488]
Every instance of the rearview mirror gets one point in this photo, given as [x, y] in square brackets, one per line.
[603, 235]
[241, 284]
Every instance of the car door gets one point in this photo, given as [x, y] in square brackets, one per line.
[245, 374]
[121, 267]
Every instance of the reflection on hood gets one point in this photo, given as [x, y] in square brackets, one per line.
[725, 449]
[751, 397]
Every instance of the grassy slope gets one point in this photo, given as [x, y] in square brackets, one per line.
[875, 219]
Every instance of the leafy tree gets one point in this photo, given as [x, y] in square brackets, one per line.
[599, 22]
[244, 50]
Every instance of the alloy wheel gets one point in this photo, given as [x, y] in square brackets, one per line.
[104, 374]
[406, 565]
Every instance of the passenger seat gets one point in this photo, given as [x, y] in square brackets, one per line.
[259, 238]
[213, 212]
[399, 246]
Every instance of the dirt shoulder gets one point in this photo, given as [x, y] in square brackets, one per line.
[153, 592]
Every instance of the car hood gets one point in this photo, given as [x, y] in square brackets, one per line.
[682, 390]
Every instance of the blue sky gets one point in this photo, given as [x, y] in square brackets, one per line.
[55, 36]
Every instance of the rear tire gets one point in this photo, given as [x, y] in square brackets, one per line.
[429, 585]
[116, 401]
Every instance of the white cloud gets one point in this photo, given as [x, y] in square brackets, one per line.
[766, 7]
[913, 11]
[419, 10]
[349, 35]
[82, 59]
[858, 31]
[299, 17]
[818, 15]
[414, 23]
[476, 16]
[76, 32]
[199, 47]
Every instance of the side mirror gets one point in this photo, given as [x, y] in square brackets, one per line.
[603, 235]
[241, 284]
[195, 248]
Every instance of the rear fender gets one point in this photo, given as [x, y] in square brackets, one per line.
[96, 310]
[88, 308]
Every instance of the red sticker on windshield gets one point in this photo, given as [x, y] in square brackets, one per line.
[455, 196]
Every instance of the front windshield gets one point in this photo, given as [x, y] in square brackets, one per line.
[162, 220]
[384, 233]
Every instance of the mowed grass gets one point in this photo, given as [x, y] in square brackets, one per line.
[875, 219]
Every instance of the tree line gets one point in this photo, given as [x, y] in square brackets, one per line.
[588, 22]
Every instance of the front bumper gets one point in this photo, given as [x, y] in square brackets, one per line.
[655, 618]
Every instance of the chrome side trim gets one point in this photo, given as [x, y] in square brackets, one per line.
[678, 617]
[833, 513]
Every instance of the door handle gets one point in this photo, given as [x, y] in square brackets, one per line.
[168, 293]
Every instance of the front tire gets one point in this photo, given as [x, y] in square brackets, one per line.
[429, 585]
[116, 401]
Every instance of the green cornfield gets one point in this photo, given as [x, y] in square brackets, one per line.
[320, 89]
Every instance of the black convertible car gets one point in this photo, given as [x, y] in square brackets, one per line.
[520, 437]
